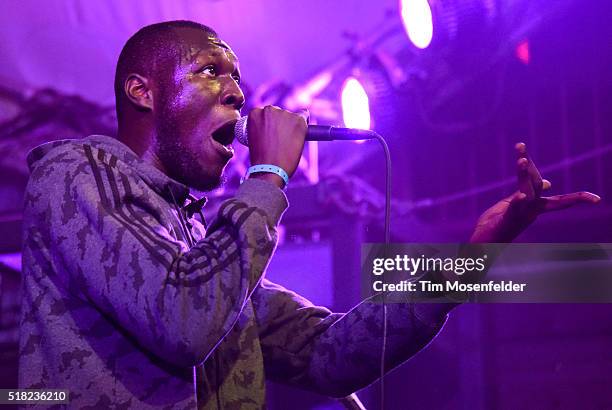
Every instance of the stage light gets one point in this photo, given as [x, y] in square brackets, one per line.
[522, 52]
[355, 105]
[418, 22]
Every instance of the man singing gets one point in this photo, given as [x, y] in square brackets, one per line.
[129, 302]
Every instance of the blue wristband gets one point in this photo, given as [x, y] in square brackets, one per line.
[273, 169]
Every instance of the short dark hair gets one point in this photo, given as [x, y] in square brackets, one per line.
[147, 48]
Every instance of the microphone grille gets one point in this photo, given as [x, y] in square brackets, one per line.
[240, 131]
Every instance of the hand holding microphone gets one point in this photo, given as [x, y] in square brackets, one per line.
[276, 137]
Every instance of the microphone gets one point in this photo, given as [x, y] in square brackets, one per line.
[314, 133]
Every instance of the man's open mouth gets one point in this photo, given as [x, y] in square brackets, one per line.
[224, 135]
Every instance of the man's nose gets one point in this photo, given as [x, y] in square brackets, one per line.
[232, 95]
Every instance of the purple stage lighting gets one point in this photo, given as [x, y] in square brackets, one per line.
[418, 23]
[355, 105]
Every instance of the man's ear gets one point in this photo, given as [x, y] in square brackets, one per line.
[138, 91]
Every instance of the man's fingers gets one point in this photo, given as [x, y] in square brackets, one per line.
[524, 180]
[521, 149]
[558, 202]
[304, 113]
[530, 180]
[516, 197]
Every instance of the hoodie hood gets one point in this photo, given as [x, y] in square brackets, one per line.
[157, 180]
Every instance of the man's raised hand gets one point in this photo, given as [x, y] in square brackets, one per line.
[505, 220]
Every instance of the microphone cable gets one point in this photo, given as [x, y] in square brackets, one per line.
[352, 401]
[326, 133]
[387, 229]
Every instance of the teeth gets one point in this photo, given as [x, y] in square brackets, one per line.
[228, 148]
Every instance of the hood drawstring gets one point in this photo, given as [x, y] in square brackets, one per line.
[182, 223]
[196, 205]
[185, 213]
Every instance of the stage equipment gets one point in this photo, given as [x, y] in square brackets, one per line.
[355, 105]
[417, 19]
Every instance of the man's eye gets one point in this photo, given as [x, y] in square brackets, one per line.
[237, 79]
[209, 70]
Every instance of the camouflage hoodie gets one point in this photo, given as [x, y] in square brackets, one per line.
[130, 304]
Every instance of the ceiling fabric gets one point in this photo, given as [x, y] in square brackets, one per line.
[72, 46]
